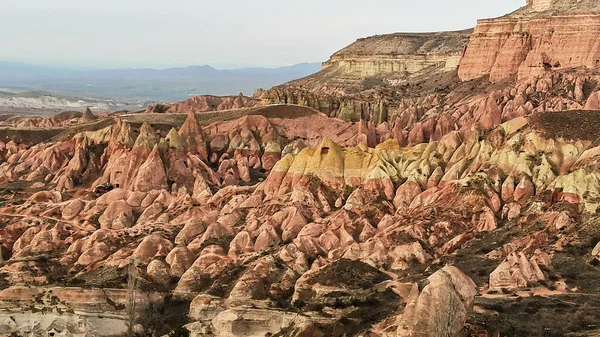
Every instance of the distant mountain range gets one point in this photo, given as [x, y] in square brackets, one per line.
[174, 84]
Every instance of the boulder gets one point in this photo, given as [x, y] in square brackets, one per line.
[441, 309]
[118, 215]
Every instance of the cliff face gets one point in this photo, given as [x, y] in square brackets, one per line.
[401, 53]
[543, 44]
[388, 59]
[542, 36]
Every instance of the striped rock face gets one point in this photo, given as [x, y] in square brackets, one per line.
[517, 44]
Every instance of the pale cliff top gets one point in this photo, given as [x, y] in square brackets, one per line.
[560, 7]
[408, 44]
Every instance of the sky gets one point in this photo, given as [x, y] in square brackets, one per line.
[221, 33]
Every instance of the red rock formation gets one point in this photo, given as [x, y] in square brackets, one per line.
[531, 45]
[447, 291]
[288, 205]
[87, 116]
[205, 103]
[192, 137]
[151, 175]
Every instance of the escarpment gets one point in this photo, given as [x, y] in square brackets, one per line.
[542, 40]
[388, 59]
[543, 36]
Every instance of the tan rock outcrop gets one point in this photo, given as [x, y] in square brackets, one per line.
[87, 116]
[441, 308]
[393, 56]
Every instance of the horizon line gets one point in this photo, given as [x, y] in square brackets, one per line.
[159, 68]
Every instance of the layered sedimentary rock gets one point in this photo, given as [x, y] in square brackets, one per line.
[55, 307]
[527, 48]
[543, 36]
[387, 59]
[395, 54]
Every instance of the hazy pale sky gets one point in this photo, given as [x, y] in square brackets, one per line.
[222, 33]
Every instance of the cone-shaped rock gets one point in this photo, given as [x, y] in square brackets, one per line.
[192, 137]
[121, 134]
[151, 175]
[87, 116]
[147, 137]
[173, 139]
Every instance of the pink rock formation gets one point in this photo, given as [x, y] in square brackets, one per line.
[519, 45]
[192, 137]
[151, 175]
[441, 308]
[204, 103]
[515, 272]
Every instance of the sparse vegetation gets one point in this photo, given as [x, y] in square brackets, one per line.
[570, 125]
[163, 317]
[539, 316]
[180, 332]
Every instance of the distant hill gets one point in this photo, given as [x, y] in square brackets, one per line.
[173, 84]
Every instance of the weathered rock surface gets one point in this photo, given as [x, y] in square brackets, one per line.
[388, 59]
[204, 103]
[441, 308]
[518, 44]
[88, 116]
[335, 216]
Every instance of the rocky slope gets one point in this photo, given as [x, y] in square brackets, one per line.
[262, 211]
[432, 207]
[537, 41]
[391, 58]
[205, 103]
